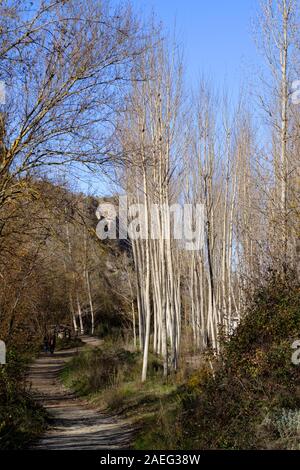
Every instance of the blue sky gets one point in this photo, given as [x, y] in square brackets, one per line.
[217, 39]
[216, 36]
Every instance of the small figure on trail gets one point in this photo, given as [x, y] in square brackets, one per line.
[46, 344]
[52, 343]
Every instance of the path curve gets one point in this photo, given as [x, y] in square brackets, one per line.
[74, 425]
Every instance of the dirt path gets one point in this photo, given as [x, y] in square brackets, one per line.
[73, 424]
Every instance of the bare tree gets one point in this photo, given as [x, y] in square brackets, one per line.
[67, 63]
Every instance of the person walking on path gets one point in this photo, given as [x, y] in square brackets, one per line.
[46, 344]
[52, 343]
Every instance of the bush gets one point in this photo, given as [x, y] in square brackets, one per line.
[251, 399]
[255, 377]
[283, 426]
[21, 419]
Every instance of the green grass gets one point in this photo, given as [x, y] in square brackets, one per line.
[110, 378]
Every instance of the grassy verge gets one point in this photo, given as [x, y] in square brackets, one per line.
[21, 419]
[109, 377]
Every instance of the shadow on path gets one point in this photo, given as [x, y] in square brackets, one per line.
[73, 424]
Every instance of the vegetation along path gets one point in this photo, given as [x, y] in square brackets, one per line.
[73, 424]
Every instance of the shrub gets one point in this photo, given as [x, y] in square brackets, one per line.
[283, 427]
[21, 419]
[254, 377]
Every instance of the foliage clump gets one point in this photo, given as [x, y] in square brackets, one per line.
[250, 398]
[21, 419]
[255, 377]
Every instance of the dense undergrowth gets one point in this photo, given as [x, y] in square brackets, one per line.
[21, 419]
